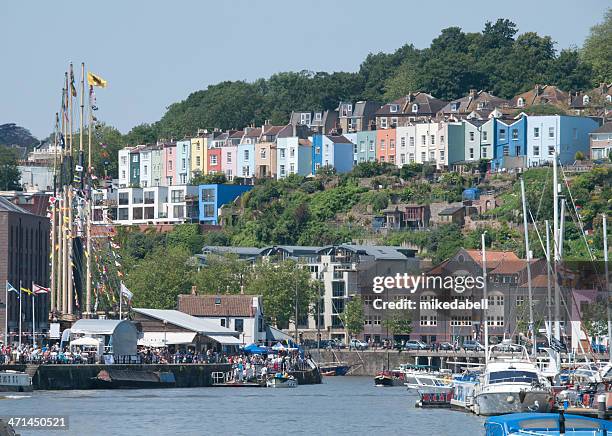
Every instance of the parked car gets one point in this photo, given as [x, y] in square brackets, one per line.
[415, 345]
[446, 346]
[358, 345]
[473, 346]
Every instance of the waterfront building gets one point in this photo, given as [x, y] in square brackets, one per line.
[241, 313]
[212, 197]
[333, 152]
[601, 142]
[119, 337]
[176, 329]
[35, 177]
[24, 243]
[565, 134]
[183, 154]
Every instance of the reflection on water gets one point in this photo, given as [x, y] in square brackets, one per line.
[342, 405]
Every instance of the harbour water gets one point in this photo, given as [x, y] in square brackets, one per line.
[341, 405]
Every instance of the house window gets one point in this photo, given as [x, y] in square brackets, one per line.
[506, 150]
[135, 158]
[246, 170]
[423, 156]
[371, 146]
[471, 136]
[184, 164]
[517, 150]
[291, 168]
[432, 156]
[393, 108]
[402, 158]
[411, 143]
[305, 118]
[394, 122]
[411, 157]
[198, 161]
[442, 155]
[515, 134]
[246, 154]
[551, 150]
[292, 152]
[536, 150]
[213, 159]
[441, 139]
[391, 143]
[262, 153]
[551, 132]
[177, 196]
[376, 320]
[471, 153]
[392, 158]
[502, 134]
[484, 152]
[228, 157]
[415, 108]
[484, 135]
[382, 144]
[282, 170]
[520, 102]
[403, 141]
[239, 325]
[423, 140]
[282, 153]
[586, 100]
[179, 212]
[318, 116]
[383, 123]
[433, 139]
[123, 173]
[536, 132]
[454, 107]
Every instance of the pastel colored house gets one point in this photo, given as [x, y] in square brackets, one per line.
[199, 150]
[565, 134]
[265, 152]
[406, 145]
[156, 165]
[509, 143]
[246, 152]
[229, 155]
[293, 153]
[145, 167]
[212, 197]
[366, 146]
[414, 107]
[385, 145]
[134, 166]
[183, 167]
[169, 163]
[601, 142]
[427, 143]
[352, 137]
[332, 151]
[478, 139]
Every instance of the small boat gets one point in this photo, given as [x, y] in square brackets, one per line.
[15, 381]
[430, 382]
[546, 424]
[282, 381]
[389, 378]
[133, 379]
[334, 368]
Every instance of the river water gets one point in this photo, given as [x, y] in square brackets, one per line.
[341, 405]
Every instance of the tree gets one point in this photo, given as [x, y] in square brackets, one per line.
[353, 316]
[579, 156]
[278, 283]
[160, 277]
[399, 323]
[597, 49]
[208, 179]
[223, 275]
[594, 318]
[9, 173]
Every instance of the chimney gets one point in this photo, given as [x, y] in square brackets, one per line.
[194, 290]
[472, 93]
[536, 91]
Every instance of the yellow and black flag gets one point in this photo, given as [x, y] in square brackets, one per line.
[95, 80]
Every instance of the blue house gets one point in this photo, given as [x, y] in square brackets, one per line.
[212, 197]
[332, 151]
[366, 146]
[565, 134]
[509, 143]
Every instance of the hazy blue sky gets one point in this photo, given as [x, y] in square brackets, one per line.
[154, 53]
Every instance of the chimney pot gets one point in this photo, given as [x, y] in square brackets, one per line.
[194, 290]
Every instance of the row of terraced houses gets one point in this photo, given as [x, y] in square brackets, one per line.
[417, 128]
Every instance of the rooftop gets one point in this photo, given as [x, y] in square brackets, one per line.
[217, 305]
[188, 322]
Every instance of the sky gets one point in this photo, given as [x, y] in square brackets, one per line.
[154, 53]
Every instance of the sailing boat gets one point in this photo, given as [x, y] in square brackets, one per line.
[512, 383]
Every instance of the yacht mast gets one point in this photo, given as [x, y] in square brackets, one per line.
[485, 297]
[605, 247]
[557, 256]
[549, 290]
[528, 258]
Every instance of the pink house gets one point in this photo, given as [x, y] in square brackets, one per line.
[169, 164]
[229, 157]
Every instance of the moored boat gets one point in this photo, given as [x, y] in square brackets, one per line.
[282, 381]
[15, 381]
[133, 379]
[545, 424]
[334, 368]
[392, 378]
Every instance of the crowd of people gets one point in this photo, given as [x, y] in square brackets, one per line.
[27, 353]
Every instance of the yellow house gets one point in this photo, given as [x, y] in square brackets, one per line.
[199, 154]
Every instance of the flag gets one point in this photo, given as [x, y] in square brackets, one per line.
[95, 80]
[125, 292]
[40, 289]
[26, 290]
[73, 90]
[11, 288]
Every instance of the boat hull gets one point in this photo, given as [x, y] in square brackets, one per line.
[500, 403]
[334, 370]
[389, 382]
[281, 383]
[25, 388]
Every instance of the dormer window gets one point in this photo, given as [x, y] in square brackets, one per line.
[586, 100]
[454, 107]
[305, 118]
[393, 108]
[520, 102]
[415, 108]
[318, 116]
[609, 98]
[349, 107]
[481, 105]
